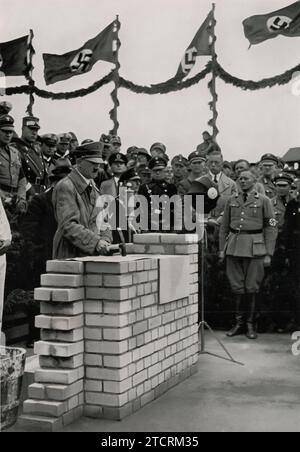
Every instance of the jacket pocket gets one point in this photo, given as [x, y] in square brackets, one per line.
[259, 247]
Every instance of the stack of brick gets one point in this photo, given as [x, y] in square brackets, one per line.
[57, 396]
[135, 348]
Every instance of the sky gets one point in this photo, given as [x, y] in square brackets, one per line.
[154, 35]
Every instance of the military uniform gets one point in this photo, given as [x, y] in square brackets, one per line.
[33, 164]
[291, 233]
[183, 162]
[247, 235]
[162, 189]
[268, 182]
[12, 180]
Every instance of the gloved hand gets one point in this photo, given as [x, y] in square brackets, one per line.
[21, 206]
[267, 261]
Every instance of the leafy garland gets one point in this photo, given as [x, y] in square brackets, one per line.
[160, 88]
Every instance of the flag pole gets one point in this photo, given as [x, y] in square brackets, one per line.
[116, 78]
[212, 84]
[29, 71]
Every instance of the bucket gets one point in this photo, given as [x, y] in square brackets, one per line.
[12, 365]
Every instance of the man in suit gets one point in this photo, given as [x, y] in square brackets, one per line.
[5, 241]
[117, 163]
[226, 186]
[247, 239]
[76, 210]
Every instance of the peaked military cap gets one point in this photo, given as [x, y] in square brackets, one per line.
[196, 155]
[179, 159]
[130, 174]
[143, 151]
[284, 177]
[90, 151]
[269, 158]
[6, 122]
[50, 139]
[160, 146]
[32, 122]
[117, 158]
[157, 162]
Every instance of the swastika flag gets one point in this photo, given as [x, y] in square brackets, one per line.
[63, 67]
[285, 21]
[200, 45]
[14, 56]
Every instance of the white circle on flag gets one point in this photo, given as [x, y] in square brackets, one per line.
[81, 61]
[278, 23]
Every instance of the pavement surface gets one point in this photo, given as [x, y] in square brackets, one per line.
[261, 396]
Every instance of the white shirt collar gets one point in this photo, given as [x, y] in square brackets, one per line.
[87, 181]
[215, 175]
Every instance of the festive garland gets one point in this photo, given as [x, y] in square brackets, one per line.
[161, 88]
[281, 79]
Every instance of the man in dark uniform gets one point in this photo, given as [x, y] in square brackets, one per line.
[12, 179]
[33, 163]
[291, 233]
[48, 149]
[268, 164]
[63, 145]
[247, 239]
[116, 143]
[197, 167]
[279, 277]
[179, 165]
[158, 187]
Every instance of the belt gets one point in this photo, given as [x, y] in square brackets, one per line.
[8, 189]
[242, 231]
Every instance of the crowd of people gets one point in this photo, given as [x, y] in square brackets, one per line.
[49, 185]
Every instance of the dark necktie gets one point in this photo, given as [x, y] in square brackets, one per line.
[89, 190]
[216, 179]
[245, 196]
[283, 198]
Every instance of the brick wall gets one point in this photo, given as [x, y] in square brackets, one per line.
[108, 345]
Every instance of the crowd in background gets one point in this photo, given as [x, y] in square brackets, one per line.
[31, 165]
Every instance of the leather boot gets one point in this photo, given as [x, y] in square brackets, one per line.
[238, 329]
[251, 333]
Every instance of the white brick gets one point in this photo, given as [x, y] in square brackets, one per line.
[117, 387]
[60, 309]
[57, 280]
[117, 334]
[148, 300]
[93, 280]
[113, 400]
[93, 307]
[93, 385]
[61, 363]
[118, 280]
[65, 267]
[62, 336]
[44, 408]
[114, 348]
[107, 320]
[58, 375]
[139, 378]
[94, 334]
[64, 323]
[118, 361]
[179, 239]
[107, 267]
[54, 392]
[112, 307]
[146, 238]
[140, 277]
[91, 359]
[107, 293]
[186, 249]
[108, 374]
[58, 349]
[60, 295]
[140, 327]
